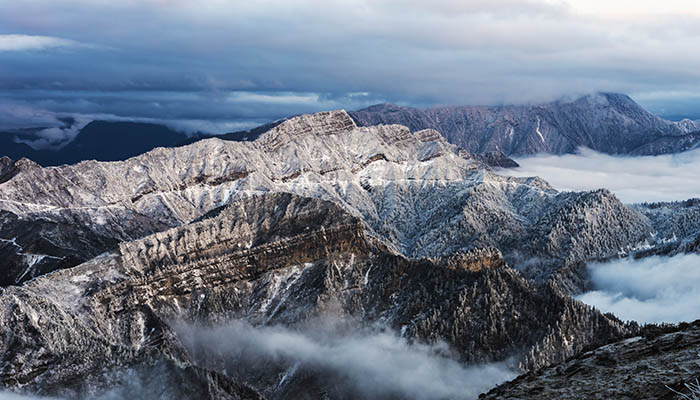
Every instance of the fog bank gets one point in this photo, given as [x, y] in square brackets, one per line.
[655, 289]
[368, 364]
[632, 179]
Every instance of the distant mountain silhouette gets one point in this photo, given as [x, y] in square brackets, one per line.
[98, 140]
[111, 141]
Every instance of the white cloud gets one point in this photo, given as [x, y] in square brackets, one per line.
[653, 290]
[32, 42]
[632, 179]
[371, 364]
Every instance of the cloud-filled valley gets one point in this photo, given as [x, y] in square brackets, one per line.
[650, 290]
[632, 179]
[369, 363]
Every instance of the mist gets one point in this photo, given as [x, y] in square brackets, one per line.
[374, 363]
[651, 290]
[632, 179]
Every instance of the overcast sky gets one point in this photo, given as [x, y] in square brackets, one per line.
[241, 62]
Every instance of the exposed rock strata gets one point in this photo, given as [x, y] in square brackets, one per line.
[275, 259]
[423, 196]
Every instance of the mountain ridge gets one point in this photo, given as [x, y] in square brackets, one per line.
[495, 133]
[607, 122]
[405, 186]
[317, 218]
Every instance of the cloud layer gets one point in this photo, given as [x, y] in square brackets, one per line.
[653, 290]
[370, 364]
[467, 52]
[632, 179]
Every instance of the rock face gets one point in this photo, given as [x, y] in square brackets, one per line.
[420, 194]
[606, 122]
[316, 218]
[646, 367]
[273, 259]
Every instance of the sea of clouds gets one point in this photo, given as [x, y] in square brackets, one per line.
[633, 179]
[650, 290]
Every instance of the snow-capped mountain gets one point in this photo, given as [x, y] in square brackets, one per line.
[316, 219]
[606, 122]
[417, 192]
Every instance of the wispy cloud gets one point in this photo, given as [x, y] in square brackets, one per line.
[33, 42]
[654, 289]
[370, 364]
[632, 179]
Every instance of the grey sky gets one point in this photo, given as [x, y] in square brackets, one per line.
[191, 60]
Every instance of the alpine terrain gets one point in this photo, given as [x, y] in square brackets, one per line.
[606, 122]
[154, 276]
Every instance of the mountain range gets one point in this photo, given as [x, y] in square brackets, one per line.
[116, 271]
[605, 122]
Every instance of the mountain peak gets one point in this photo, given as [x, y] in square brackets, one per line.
[611, 123]
[321, 124]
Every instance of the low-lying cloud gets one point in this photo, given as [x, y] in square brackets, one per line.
[368, 364]
[632, 179]
[652, 290]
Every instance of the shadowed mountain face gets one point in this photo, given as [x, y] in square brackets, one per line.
[275, 259]
[98, 140]
[606, 122]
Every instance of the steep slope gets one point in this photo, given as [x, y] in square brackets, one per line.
[273, 259]
[422, 195]
[678, 223]
[638, 368]
[606, 122]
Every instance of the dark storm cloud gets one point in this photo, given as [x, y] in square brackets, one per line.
[395, 50]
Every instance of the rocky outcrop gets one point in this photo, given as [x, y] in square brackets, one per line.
[655, 366]
[274, 259]
[606, 122]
